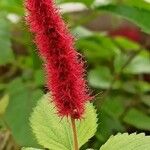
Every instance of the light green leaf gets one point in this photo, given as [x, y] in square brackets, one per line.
[30, 148]
[126, 44]
[81, 32]
[54, 132]
[140, 64]
[100, 77]
[3, 104]
[135, 86]
[14, 6]
[136, 15]
[140, 3]
[127, 142]
[138, 119]
[86, 2]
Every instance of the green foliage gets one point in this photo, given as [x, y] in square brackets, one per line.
[86, 2]
[126, 44]
[134, 14]
[97, 47]
[55, 133]
[140, 3]
[127, 142]
[22, 99]
[113, 107]
[14, 6]
[30, 148]
[140, 64]
[117, 69]
[110, 113]
[138, 119]
[100, 77]
[3, 104]
[6, 54]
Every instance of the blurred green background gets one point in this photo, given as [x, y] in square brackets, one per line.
[117, 53]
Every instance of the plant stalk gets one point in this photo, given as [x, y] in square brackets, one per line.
[75, 139]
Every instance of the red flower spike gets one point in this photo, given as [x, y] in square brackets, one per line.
[129, 32]
[65, 73]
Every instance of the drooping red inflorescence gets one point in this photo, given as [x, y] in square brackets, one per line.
[65, 73]
[131, 33]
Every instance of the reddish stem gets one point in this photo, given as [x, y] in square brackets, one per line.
[74, 134]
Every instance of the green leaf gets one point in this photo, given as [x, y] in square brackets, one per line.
[3, 104]
[139, 3]
[14, 6]
[108, 125]
[133, 14]
[97, 47]
[113, 107]
[146, 99]
[81, 32]
[100, 77]
[137, 119]
[30, 148]
[86, 2]
[127, 142]
[140, 64]
[126, 44]
[39, 77]
[22, 100]
[54, 132]
[6, 53]
[135, 86]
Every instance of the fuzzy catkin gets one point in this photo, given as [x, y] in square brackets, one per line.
[64, 70]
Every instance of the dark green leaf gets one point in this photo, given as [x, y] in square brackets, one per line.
[113, 107]
[107, 126]
[22, 99]
[39, 77]
[146, 100]
[133, 14]
[138, 119]
[6, 53]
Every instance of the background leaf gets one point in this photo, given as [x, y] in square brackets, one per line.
[138, 119]
[100, 77]
[140, 64]
[6, 53]
[133, 14]
[18, 111]
[3, 104]
[30, 148]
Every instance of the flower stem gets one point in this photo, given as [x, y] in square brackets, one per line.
[74, 134]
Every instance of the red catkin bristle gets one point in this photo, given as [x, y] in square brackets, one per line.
[65, 73]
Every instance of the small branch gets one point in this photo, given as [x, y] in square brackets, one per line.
[74, 134]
